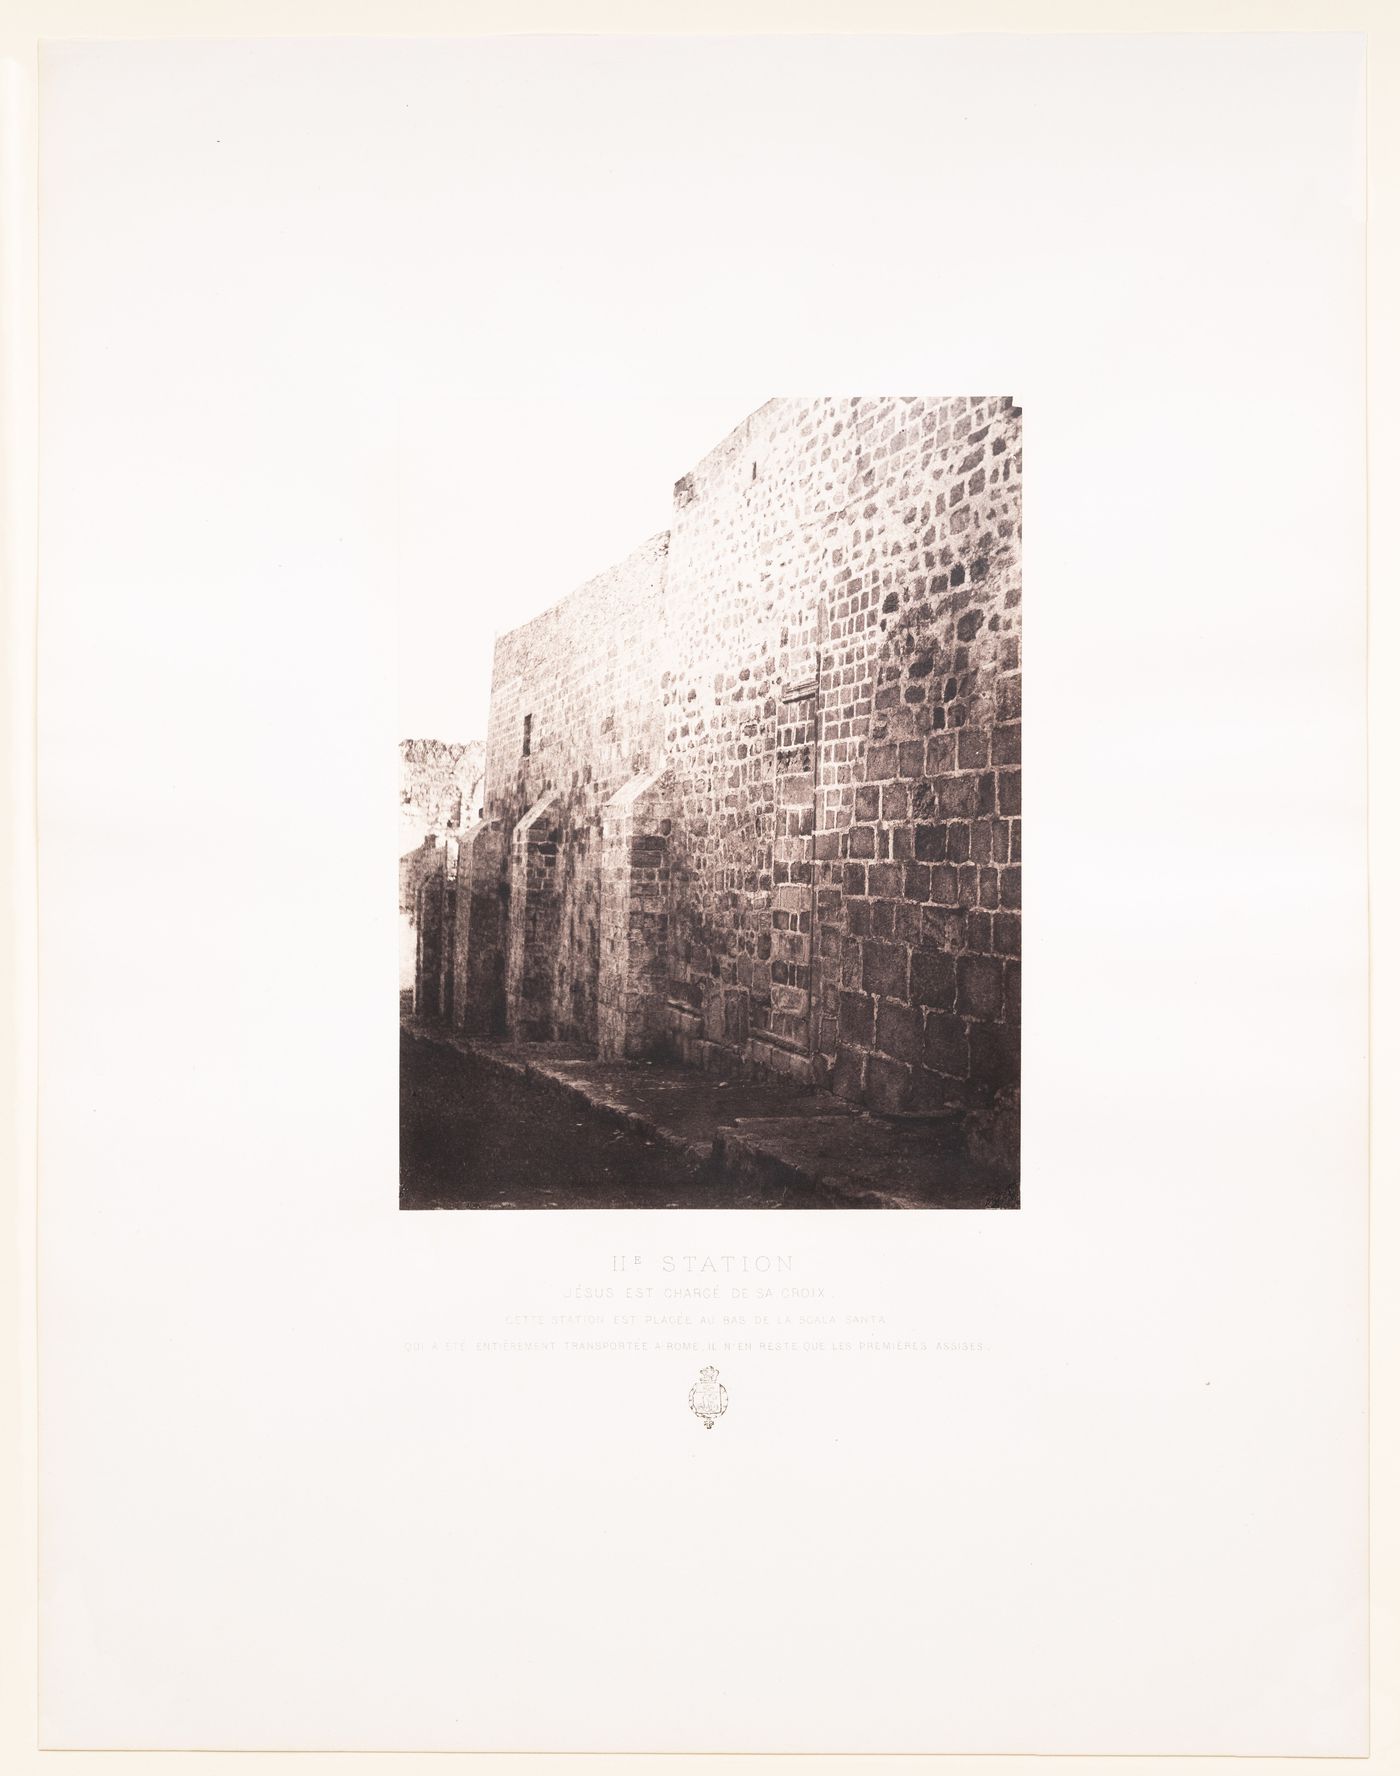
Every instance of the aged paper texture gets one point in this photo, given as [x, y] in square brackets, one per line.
[344, 345]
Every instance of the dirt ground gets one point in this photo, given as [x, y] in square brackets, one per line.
[471, 1138]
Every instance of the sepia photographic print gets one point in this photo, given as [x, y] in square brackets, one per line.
[723, 908]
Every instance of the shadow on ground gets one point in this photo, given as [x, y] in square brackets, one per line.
[547, 1126]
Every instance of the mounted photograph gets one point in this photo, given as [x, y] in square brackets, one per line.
[714, 900]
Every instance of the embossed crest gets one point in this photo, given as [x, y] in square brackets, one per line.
[708, 1399]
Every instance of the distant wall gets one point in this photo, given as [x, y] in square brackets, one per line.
[440, 788]
[426, 859]
[843, 710]
[439, 784]
[584, 675]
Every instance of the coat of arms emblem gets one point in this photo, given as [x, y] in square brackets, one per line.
[708, 1399]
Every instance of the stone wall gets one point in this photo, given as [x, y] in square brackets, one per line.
[574, 715]
[480, 931]
[636, 914]
[843, 710]
[759, 785]
[441, 784]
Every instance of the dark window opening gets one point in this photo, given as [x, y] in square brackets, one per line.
[525, 738]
